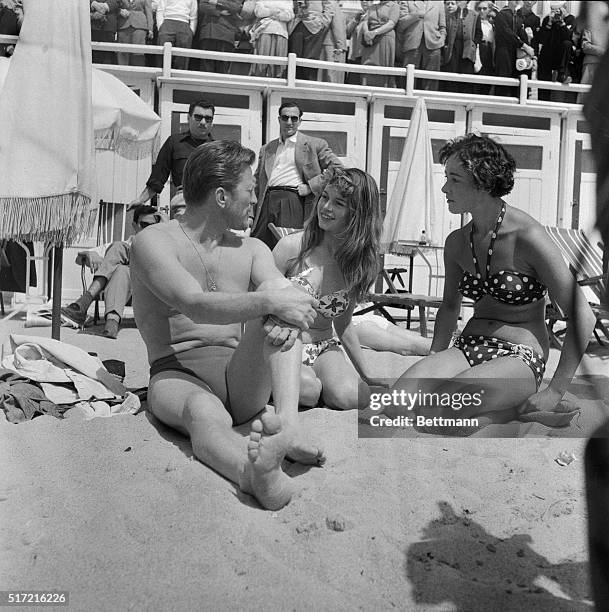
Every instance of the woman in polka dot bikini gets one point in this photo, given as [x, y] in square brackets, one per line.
[503, 261]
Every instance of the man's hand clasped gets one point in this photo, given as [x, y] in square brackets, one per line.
[294, 310]
[280, 333]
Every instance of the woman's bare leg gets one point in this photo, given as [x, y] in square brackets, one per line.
[394, 338]
[342, 388]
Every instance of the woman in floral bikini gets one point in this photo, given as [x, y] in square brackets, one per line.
[336, 259]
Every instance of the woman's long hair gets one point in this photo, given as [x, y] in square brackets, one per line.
[358, 252]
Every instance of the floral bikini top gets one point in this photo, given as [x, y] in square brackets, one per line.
[330, 305]
[506, 286]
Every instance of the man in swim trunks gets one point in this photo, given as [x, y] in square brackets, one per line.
[192, 281]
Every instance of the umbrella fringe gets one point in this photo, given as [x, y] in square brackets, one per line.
[60, 219]
[124, 142]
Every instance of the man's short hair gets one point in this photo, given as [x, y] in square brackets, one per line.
[145, 209]
[214, 164]
[203, 103]
[290, 104]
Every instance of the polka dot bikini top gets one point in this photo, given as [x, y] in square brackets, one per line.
[330, 305]
[505, 286]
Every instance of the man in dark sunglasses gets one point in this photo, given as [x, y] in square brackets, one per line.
[289, 175]
[176, 150]
[110, 275]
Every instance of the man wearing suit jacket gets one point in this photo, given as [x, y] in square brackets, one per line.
[219, 22]
[421, 32]
[334, 48]
[135, 26]
[289, 175]
[464, 34]
[307, 32]
[104, 23]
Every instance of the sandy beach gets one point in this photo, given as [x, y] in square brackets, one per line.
[119, 513]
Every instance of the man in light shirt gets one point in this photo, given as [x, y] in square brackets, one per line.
[177, 23]
[289, 175]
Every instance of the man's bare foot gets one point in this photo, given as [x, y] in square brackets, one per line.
[263, 477]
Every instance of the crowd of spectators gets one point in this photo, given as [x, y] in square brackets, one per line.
[11, 17]
[451, 36]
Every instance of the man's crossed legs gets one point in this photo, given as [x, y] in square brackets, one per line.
[112, 276]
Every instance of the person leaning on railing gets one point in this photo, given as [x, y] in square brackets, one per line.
[218, 27]
[104, 25]
[486, 47]
[378, 40]
[463, 33]
[269, 34]
[555, 38]
[510, 35]
[135, 26]
[11, 17]
[420, 37]
[177, 23]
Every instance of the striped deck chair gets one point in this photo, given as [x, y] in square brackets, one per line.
[586, 263]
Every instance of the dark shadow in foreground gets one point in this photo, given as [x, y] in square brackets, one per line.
[460, 564]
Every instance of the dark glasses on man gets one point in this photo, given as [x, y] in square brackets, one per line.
[291, 118]
[206, 118]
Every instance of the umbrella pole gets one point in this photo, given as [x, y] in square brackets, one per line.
[57, 272]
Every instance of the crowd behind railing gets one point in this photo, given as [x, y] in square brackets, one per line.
[453, 36]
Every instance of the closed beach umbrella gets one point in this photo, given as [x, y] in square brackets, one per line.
[50, 126]
[46, 148]
[411, 206]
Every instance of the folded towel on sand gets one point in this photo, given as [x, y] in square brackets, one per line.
[21, 400]
[76, 358]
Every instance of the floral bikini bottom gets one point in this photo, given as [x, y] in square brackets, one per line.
[312, 350]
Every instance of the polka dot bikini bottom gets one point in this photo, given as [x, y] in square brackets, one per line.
[478, 349]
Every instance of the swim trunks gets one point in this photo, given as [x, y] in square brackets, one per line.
[206, 363]
[478, 349]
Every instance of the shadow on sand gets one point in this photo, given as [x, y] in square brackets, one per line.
[461, 567]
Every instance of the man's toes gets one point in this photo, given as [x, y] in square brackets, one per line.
[271, 423]
[257, 427]
[253, 448]
[255, 436]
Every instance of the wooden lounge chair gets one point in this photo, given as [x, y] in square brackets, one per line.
[585, 261]
[401, 299]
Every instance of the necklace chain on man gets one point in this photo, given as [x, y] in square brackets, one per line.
[211, 281]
